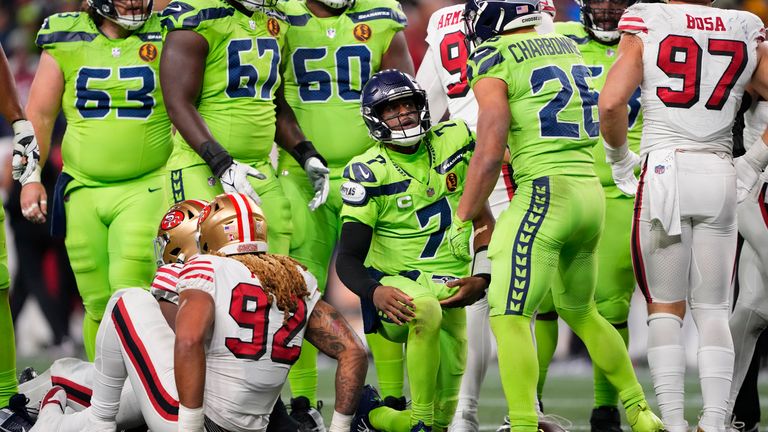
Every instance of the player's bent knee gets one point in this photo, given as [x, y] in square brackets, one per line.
[428, 317]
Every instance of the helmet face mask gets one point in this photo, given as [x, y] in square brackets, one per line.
[338, 4]
[138, 11]
[175, 241]
[232, 224]
[601, 18]
[384, 98]
[484, 19]
[254, 5]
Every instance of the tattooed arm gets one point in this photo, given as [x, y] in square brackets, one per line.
[329, 332]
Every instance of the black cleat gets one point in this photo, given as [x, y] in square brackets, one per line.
[280, 421]
[605, 419]
[28, 374]
[308, 417]
[396, 403]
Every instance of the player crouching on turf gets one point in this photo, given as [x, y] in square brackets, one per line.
[393, 252]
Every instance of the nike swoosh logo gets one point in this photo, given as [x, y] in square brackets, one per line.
[174, 8]
[365, 174]
[150, 190]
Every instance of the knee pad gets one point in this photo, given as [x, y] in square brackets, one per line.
[664, 329]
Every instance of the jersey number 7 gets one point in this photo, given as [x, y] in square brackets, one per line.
[250, 307]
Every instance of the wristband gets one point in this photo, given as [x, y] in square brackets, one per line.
[34, 177]
[217, 158]
[615, 154]
[481, 265]
[340, 422]
[757, 155]
[305, 150]
[191, 419]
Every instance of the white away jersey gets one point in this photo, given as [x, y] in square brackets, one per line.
[696, 62]
[251, 348]
[443, 72]
[164, 283]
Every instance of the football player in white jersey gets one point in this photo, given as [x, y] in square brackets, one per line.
[443, 74]
[750, 314]
[242, 318]
[692, 62]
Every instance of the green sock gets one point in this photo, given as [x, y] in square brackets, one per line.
[388, 360]
[389, 420]
[545, 329]
[303, 374]
[607, 350]
[90, 328]
[605, 393]
[422, 355]
[8, 385]
[518, 368]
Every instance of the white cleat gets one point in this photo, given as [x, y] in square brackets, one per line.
[51, 410]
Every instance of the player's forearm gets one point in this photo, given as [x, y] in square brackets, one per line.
[354, 242]
[397, 55]
[760, 77]
[614, 123]
[288, 133]
[189, 371]
[10, 107]
[483, 225]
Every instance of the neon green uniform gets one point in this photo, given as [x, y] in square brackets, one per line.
[116, 145]
[8, 385]
[327, 63]
[615, 279]
[555, 219]
[409, 201]
[241, 76]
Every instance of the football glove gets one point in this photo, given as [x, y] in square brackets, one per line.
[26, 153]
[459, 235]
[623, 162]
[235, 180]
[317, 173]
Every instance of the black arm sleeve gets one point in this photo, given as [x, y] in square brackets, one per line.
[353, 248]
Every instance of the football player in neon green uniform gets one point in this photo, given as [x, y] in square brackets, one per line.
[222, 69]
[24, 145]
[332, 49]
[101, 69]
[393, 253]
[597, 37]
[536, 99]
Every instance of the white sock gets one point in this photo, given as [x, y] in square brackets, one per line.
[340, 422]
[666, 359]
[716, 358]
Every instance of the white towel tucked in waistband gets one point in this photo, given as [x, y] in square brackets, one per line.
[663, 196]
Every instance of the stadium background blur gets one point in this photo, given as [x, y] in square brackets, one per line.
[47, 309]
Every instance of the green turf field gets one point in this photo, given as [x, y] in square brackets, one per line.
[566, 394]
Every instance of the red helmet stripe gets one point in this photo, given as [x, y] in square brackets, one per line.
[238, 209]
[249, 218]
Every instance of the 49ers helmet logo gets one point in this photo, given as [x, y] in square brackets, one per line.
[172, 219]
[362, 32]
[273, 27]
[148, 52]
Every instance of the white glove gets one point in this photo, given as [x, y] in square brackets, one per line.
[746, 178]
[623, 162]
[235, 180]
[318, 176]
[26, 153]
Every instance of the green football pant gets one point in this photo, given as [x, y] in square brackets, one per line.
[436, 349]
[615, 284]
[7, 340]
[109, 237]
[197, 182]
[552, 227]
[313, 239]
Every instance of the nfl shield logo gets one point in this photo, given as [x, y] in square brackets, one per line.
[659, 169]
[331, 33]
[522, 9]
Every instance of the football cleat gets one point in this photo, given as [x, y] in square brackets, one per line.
[464, 421]
[421, 427]
[19, 404]
[11, 421]
[369, 400]
[642, 419]
[605, 419]
[505, 427]
[309, 418]
[28, 374]
[397, 404]
[553, 423]
[280, 420]
[51, 410]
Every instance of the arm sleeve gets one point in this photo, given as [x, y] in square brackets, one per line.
[353, 248]
[429, 78]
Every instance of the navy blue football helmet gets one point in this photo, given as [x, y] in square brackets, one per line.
[601, 18]
[484, 19]
[388, 86]
[107, 9]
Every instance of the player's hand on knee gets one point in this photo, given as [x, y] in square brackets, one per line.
[396, 305]
[235, 180]
[34, 202]
[318, 173]
[459, 234]
[471, 289]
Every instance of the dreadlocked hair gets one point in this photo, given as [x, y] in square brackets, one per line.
[279, 276]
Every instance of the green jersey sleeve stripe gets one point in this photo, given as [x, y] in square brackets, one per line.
[377, 13]
[194, 21]
[63, 36]
[299, 20]
[578, 40]
[454, 159]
